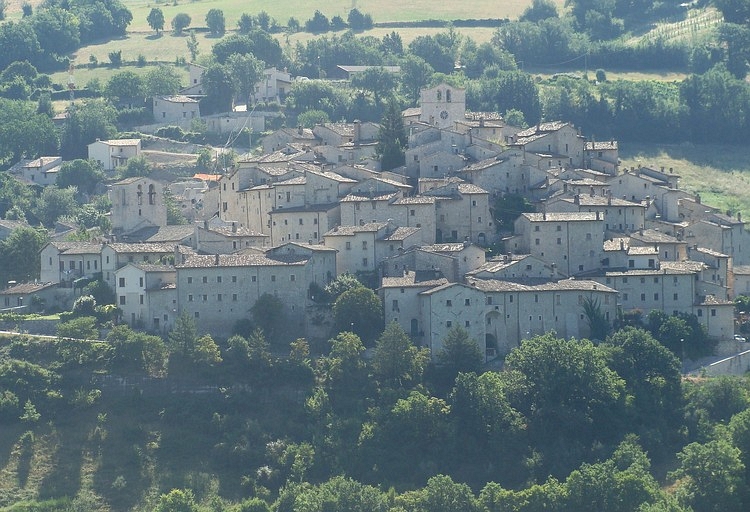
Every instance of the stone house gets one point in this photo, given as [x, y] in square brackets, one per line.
[400, 298]
[573, 241]
[620, 215]
[273, 86]
[226, 239]
[451, 305]
[111, 154]
[177, 110]
[559, 144]
[279, 139]
[514, 312]
[219, 290]
[670, 248]
[41, 171]
[442, 105]
[523, 268]
[147, 295]
[137, 203]
[116, 255]
[303, 224]
[462, 213]
[602, 156]
[29, 297]
[64, 262]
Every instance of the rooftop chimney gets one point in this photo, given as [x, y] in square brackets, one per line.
[216, 260]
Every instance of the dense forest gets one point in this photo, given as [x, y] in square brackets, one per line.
[195, 424]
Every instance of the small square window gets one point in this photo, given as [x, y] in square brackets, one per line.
[467, 302]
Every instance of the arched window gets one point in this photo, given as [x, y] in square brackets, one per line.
[448, 95]
[151, 194]
[439, 95]
[139, 193]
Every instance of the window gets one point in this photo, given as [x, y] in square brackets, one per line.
[643, 297]
[300, 222]
[510, 299]
[205, 279]
[364, 245]
[488, 300]
[394, 305]
[536, 297]
[624, 296]
[234, 297]
[140, 282]
[254, 278]
[674, 296]
[122, 300]
[122, 282]
[234, 279]
[713, 312]
[558, 228]
[218, 297]
[140, 299]
[412, 213]
[624, 280]
[656, 280]
[292, 277]
[449, 324]
[536, 228]
[559, 241]
[364, 262]
[448, 303]
[536, 241]
[218, 279]
[467, 302]
[656, 296]
[197, 314]
[348, 245]
[700, 312]
[190, 298]
[205, 297]
[190, 280]
[643, 280]
[273, 279]
[467, 323]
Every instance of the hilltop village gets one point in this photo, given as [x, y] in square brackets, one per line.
[315, 204]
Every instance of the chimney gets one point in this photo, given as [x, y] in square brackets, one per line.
[216, 260]
[576, 199]
[609, 200]
[234, 227]
[622, 244]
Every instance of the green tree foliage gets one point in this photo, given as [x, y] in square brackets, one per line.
[82, 328]
[683, 334]
[177, 500]
[375, 80]
[246, 71]
[318, 23]
[416, 73]
[396, 361]
[86, 122]
[507, 90]
[220, 89]
[268, 314]
[15, 263]
[343, 282]
[55, 203]
[19, 43]
[359, 21]
[507, 208]
[598, 324]
[311, 118]
[734, 11]
[155, 19]
[710, 477]
[180, 22]
[57, 29]
[539, 10]
[192, 45]
[392, 140]
[215, 22]
[125, 85]
[23, 132]
[138, 352]
[571, 399]
[712, 402]
[487, 429]
[161, 81]
[652, 384]
[136, 167]
[359, 310]
[340, 494]
[460, 352]
[435, 52]
[85, 175]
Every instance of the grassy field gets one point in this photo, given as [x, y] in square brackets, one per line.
[720, 174]
[380, 10]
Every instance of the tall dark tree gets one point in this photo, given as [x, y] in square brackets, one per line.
[215, 22]
[392, 140]
[155, 19]
[86, 122]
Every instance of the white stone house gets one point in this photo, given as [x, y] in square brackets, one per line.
[41, 171]
[572, 241]
[283, 136]
[218, 290]
[273, 86]
[137, 203]
[147, 295]
[557, 142]
[227, 239]
[516, 267]
[177, 110]
[116, 255]
[400, 298]
[462, 212]
[111, 154]
[602, 156]
[620, 215]
[64, 262]
[451, 305]
[514, 311]
[303, 224]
